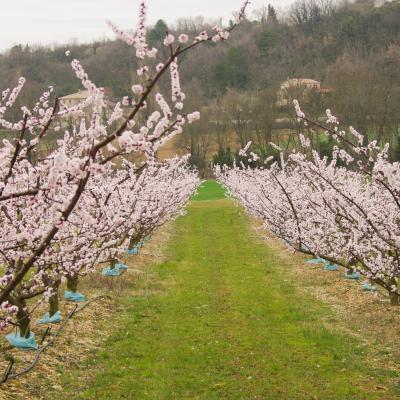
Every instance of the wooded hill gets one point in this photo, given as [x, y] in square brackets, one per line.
[351, 48]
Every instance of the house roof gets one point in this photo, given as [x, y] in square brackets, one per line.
[326, 90]
[300, 82]
[81, 95]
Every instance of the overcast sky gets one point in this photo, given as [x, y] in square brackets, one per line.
[60, 21]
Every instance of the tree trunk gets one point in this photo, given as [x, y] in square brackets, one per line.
[72, 283]
[394, 299]
[113, 264]
[132, 242]
[394, 296]
[53, 300]
[24, 319]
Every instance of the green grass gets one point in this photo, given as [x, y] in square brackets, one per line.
[210, 190]
[222, 319]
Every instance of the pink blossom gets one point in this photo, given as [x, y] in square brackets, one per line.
[193, 117]
[137, 89]
[183, 38]
[169, 39]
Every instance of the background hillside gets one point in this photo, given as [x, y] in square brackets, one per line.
[353, 49]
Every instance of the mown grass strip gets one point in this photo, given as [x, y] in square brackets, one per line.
[222, 319]
[210, 190]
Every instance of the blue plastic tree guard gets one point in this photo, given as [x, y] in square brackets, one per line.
[146, 238]
[317, 260]
[134, 251]
[111, 272]
[352, 275]
[331, 267]
[54, 319]
[16, 340]
[74, 296]
[116, 271]
[367, 287]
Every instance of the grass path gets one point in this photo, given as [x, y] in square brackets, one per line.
[222, 319]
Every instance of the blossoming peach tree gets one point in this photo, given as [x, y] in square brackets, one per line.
[86, 201]
[344, 211]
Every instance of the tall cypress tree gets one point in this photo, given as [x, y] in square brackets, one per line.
[272, 19]
[157, 34]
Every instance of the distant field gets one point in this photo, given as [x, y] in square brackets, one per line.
[174, 147]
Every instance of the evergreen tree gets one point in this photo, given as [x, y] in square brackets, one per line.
[272, 18]
[158, 32]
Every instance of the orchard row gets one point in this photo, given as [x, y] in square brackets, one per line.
[343, 210]
[101, 190]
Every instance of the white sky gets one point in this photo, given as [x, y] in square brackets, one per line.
[60, 21]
